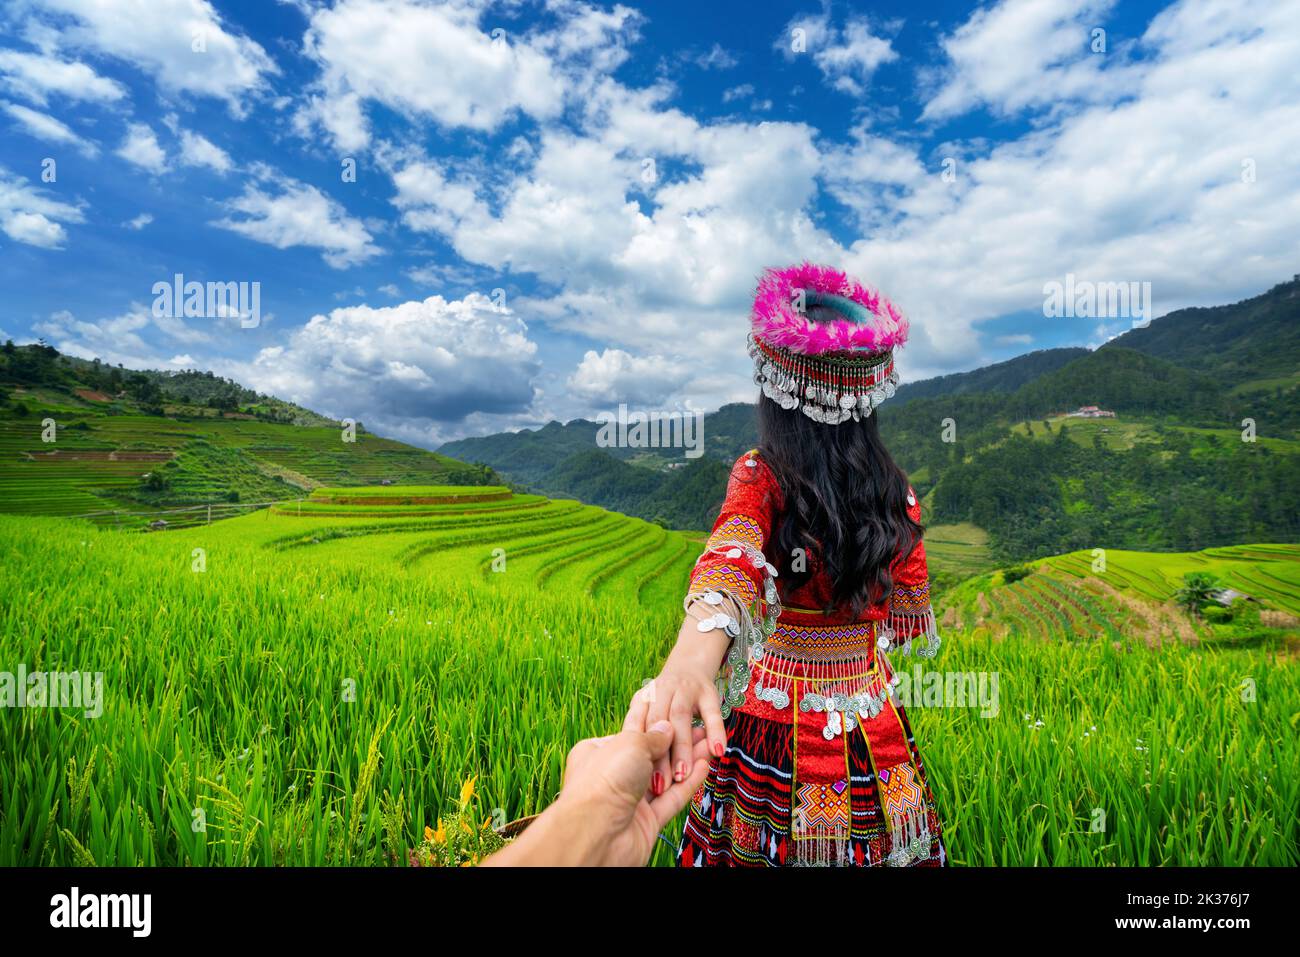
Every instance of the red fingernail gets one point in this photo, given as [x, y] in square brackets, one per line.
[718, 749]
[658, 784]
[681, 772]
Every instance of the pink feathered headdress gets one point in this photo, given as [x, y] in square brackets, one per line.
[831, 371]
[871, 323]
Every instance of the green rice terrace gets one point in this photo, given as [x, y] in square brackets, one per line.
[315, 681]
[308, 645]
[131, 463]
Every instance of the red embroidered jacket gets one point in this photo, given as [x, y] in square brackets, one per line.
[736, 562]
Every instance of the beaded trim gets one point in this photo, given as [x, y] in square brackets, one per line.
[747, 617]
[827, 388]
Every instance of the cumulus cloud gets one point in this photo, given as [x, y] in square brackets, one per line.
[45, 127]
[299, 214]
[675, 268]
[1019, 54]
[1165, 203]
[615, 376]
[184, 44]
[442, 63]
[423, 61]
[427, 364]
[114, 340]
[198, 150]
[35, 76]
[847, 56]
[140, 148]
[28, 214]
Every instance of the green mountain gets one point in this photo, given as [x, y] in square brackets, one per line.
[136, 441]
[1171, 471]
[1247, 341]
[1000, 377]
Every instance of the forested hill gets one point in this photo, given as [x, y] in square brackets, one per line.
[1252, 340]
[1000, 377]
[131, 441]
[1170, 471]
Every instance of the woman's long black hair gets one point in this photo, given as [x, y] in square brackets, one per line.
[845, 503]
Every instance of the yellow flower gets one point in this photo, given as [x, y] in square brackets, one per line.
[440, 835]
[465, 827]
[467, 791]
[428, 833]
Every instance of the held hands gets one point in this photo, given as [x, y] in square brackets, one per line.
[606, 814]
[676, 696]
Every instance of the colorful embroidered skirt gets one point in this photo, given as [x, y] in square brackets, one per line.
[811, 775]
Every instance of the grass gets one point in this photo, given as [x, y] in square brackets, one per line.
[97, 460]
[319, 690]
[956, 552]
[1120, 434]
[410, 494]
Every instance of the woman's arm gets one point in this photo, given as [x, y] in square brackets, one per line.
[911, 616]
[731, 592]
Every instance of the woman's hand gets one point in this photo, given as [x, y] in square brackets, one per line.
[677, 695]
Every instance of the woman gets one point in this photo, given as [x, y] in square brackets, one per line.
[813, 576]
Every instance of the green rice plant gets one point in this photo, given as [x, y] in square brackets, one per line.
[322, 704]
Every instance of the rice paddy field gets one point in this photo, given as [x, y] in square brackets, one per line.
[96, 461]
[312, 684]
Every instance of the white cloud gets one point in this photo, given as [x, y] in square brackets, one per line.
[184, 44]
[680, 262]
[667, 268]
[847, 56]
[715, 58]
[442, 63]
[615, 376]
[300, 215]
[28, 215]
[423, 365]
[140, 148]
[34, 76]
[738, 92]
[1161, 201]
[198, 150]
[44, 127]
[139, 222]
[1018, 54]
[434, 62]
[114, 340]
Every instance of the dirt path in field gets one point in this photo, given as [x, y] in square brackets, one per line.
[1159, 622]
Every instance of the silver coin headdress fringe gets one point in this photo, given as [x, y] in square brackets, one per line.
[832, 371]
[826, 388]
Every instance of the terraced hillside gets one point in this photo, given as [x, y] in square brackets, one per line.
[317, 679]
[1125, 595]
[135, 462]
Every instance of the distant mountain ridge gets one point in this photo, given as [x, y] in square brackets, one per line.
[1005, 376]
[1204, 368]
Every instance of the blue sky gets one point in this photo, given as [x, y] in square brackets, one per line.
[563, 206]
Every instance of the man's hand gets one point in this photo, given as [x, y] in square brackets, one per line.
[606, 813]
